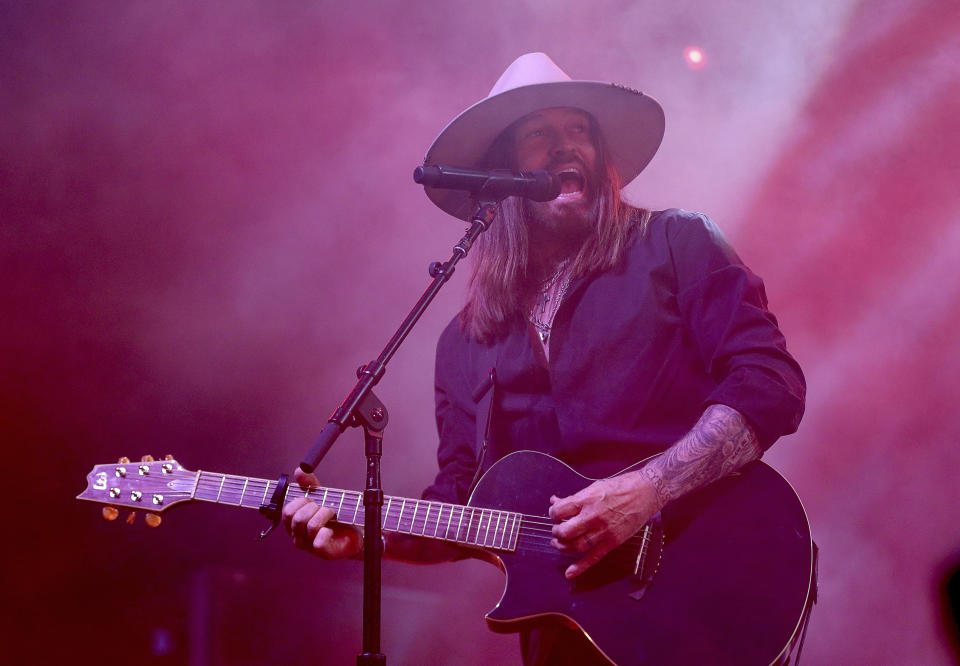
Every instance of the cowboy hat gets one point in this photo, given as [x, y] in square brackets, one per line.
[631, 122]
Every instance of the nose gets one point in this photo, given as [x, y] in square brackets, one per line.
[561, 146]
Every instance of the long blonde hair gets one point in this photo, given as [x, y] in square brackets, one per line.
[501, 284]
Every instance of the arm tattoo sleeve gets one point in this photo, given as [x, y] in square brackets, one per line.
[721, 442]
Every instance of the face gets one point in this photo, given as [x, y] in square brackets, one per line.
[560, 141]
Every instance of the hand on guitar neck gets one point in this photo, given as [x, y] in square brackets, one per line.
[314, 530]
[312, 526]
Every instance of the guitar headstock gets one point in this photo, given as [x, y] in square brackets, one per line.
[149, 485]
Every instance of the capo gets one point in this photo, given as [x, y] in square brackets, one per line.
[272, 510]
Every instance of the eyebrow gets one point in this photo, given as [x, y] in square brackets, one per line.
[536, 115]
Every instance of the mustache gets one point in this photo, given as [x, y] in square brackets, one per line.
[565, 161]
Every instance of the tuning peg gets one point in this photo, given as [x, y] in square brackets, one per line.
[110, 513]
[152, 520]
[132, 516]
[146, 458]
[169, 456]
[123, 460]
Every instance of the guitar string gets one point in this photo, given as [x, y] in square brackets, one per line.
[231, 484]
[241, 484]
[536, 523]
[355, 495]
[531, 525]
[530, 539]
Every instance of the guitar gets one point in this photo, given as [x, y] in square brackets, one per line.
[723, 575]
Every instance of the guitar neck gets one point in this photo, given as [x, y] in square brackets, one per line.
[465, 525]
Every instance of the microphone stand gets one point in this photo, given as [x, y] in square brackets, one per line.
[362, 408]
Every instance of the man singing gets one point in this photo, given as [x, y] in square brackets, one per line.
[614, 333]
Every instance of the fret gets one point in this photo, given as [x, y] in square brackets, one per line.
[469, 525]
[502, 532]
[403, 505]
[514, 531]
[227, 491]
[436, 529]
[356, 510]
[266, 489]
[340, 505]
[413, 521]
[231, 491]
[426, 519]
[476, 535]
[487, 533]
[243, 490]
[386, 513]
[473, 514]
[496, 530]
[205, 487]
[253, 500]
[196, 482]
[446, 532]
[323, 500]
[220, 490]
[459, 522]
[483, 514]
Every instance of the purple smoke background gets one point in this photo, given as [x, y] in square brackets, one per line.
[208, 222]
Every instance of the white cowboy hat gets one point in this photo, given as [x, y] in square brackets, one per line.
[631, 122]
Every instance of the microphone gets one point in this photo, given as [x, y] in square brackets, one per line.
[495, 183]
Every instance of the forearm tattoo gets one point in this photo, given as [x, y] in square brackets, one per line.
[720, 443]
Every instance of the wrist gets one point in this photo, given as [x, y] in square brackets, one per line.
[658, 491]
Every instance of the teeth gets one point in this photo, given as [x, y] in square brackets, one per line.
[571, 175]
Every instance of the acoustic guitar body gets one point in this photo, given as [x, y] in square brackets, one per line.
[726, 579]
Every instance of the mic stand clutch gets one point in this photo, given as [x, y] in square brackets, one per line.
[362, 407]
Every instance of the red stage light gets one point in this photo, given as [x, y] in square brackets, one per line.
[694, 57]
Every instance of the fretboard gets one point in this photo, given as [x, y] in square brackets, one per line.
[470, 526]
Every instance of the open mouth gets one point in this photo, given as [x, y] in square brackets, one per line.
[571, 182]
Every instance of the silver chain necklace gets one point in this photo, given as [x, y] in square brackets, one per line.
[549, 298]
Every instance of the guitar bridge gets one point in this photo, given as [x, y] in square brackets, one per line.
[648, 557]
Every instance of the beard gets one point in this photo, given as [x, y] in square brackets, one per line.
[563, 223]
[561, 219]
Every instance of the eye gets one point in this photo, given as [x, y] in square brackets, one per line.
[534, 133]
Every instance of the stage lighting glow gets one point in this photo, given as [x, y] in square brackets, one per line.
[694, 57]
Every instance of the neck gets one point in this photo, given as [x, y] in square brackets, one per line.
[549, 250]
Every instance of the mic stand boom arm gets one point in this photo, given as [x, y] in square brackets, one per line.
[362, 407]
[370, 374]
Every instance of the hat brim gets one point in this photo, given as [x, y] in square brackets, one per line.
[632, 124]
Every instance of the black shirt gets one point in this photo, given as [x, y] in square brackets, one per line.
[636, 355]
